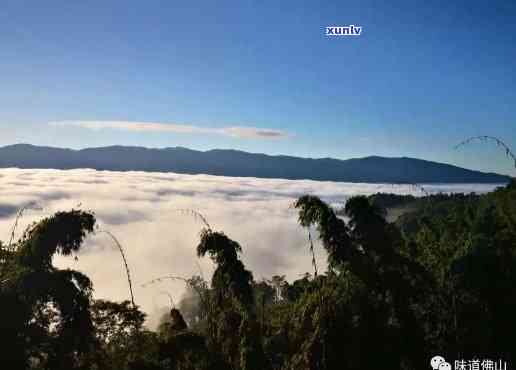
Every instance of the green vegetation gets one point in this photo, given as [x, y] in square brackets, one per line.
[407, 278]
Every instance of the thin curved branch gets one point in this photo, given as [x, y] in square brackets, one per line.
[200, 270]
[204, 301]
[19, 215]
[172, 303]
[508, 152]
[197, 216]
[175, 278]
[314, 263]
[119, 246]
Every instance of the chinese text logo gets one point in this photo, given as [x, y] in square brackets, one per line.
[439, 363]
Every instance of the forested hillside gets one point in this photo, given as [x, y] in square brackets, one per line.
[407, 279]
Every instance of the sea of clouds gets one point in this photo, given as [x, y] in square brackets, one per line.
[143, 211]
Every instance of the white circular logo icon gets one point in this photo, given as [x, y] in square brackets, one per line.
[436, 361]
[444, 366]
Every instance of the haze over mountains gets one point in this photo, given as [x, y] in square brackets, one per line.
[372, 169]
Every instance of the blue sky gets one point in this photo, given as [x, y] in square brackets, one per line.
[422, 77]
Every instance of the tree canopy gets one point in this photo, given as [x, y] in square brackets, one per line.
[406, 278]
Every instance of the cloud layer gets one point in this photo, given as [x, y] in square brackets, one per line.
[236, 132]
[143, 210]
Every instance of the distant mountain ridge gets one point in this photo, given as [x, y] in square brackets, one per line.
[221, 162]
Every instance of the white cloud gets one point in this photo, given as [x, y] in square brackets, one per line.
[236, 132]
[141, 209]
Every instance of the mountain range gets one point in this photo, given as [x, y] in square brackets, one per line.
[221, 162]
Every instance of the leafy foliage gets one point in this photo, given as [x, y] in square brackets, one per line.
[436, 275]
[44, 310]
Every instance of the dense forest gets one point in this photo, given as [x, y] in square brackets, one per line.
[406, 278]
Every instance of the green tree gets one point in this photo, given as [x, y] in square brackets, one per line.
[44, 311]
[233, 300]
